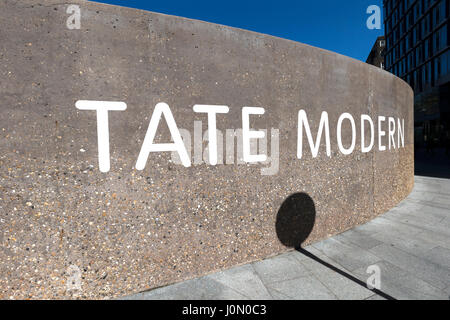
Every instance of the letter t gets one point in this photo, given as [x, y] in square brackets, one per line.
[102, 108]
[211, 110]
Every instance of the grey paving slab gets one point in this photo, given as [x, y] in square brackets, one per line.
[311, 249]
[435, 238]
[430, 197]
[439, 255]
[342, 287]
[426, 188]
[382, 224]
[279, 296]
[431, 203]
[434, 192]
[431, 180]
[435, 274]
[305, 288]
[421, 196]
[424, 226]
[432, 210]
[447, 292]
[407, 206]
[420, 218]
[196, 289]
[243, 279]
[401, 284]
[446, 222]
[349, 256]
[408, 228]
[357, 238]
[281, 268]
[415, 245]
[443, 199]
[312, 264]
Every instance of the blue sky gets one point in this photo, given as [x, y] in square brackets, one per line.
[336, 25]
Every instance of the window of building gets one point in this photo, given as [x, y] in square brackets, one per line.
[418, 56]
[440, 39]
[436, 42]
[429, 71]
[446, 56]
[439, 12]
[426, 25]
[415, 81]
[437, 68]
[411, 60]
[444, 64]
[424, 75]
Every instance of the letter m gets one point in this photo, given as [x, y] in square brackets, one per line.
[303, 122]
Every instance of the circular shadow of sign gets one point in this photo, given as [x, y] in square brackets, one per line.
[295, 220]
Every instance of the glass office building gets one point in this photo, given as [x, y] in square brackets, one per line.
[417, 50]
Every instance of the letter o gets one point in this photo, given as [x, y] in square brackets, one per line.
[339, 133]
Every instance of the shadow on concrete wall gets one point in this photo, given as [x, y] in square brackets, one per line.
[295, 220]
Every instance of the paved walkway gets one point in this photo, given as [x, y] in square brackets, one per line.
[410, 244]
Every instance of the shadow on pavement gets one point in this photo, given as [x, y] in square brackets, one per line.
[294, 223]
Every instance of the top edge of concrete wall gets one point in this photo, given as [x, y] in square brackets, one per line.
[130, 10]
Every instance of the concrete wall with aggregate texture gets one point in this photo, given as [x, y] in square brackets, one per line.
[126, 230]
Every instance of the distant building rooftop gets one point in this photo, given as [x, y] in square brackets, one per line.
[376, 56]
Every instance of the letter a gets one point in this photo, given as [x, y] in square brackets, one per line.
[374, 21]
[148, 145]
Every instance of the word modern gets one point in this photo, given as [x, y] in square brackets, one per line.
[395, 133]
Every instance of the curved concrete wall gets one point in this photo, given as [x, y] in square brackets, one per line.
[128, 230]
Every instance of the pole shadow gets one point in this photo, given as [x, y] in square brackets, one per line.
[295, 222]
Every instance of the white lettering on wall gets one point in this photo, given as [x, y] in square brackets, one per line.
[366, 118]
[212, 136]
[102, 108]
[303, 122]
[248, 134]
[381, 133]
[148, 145]
[401, 132]
[339, 133]
[391, 130]
[252, 145]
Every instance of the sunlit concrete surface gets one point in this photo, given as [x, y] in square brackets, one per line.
[410, 244]
[83, 217]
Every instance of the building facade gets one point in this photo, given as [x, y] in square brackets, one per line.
[376, 56]
[417, 50]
